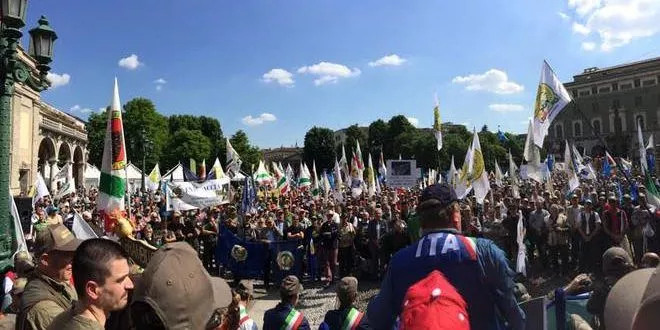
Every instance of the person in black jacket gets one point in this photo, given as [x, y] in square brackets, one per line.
[329, 234]
[347, 316]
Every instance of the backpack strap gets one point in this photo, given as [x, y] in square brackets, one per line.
[352, 320]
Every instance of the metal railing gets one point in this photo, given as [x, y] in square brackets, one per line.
[61, 128]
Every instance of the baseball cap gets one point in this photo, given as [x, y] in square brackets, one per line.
[56, 238]
[178, 288]
[347, 288]
[51, 209]
[634, 301]
[616, 261]
[290, 286]
[438, 195]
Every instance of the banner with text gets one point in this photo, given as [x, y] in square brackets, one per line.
[183, 196]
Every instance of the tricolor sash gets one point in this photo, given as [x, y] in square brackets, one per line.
[352, 319]
[293, 320]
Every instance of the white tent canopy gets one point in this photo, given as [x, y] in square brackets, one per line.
[133, 177]
[92, 176]
[175, 174]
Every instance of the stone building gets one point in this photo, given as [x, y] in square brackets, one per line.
[608, 104]
[43, 137]
[285, 155]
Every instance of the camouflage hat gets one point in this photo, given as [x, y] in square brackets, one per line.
[56, 238]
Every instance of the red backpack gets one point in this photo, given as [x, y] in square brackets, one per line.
[433, 303]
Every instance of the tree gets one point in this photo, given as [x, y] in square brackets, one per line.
[320, 146]
[210, 127]
[250, 155]
[96, 125]
[355, 134]
[377, 134]
[397, 125]
[145, 132]
[185, 144]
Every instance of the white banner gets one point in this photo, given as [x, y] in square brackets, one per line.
[81, 228]
[67, 188]
[182, 196]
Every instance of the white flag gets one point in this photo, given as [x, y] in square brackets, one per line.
[551, 98]
[233, 160]
[532, 156]
[67, 188]
[642, 150]
[153, 180]
[651, 144]
[473, 175]
[498, 175]
[41, 190]
[21, 245]
[81, 228]
[573, 181]
[63, 173]
[452, 175]
[437, 125]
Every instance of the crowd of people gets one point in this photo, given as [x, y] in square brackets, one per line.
[399, 236]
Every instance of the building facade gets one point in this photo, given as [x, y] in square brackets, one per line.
[608, 104]
[285, 155]
[44, 139]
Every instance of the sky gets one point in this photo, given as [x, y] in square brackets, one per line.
[277, 68]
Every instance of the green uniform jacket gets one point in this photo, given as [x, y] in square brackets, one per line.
[43, 300]
[69, 320]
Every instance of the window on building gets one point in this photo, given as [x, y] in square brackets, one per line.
[596, 125]
[559, 130]
[594, 90]
[577, 129]
[637, 83]
[640, 119]
[615, 87]
[626, 86]
[649, 82]
[616, 104]
[638, 101]
[594, 107]
[585, 93]
[603, 90]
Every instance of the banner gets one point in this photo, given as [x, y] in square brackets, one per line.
[67, 188]
[81, 228]
[183, 196]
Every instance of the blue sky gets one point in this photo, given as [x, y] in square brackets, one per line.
[277, 68]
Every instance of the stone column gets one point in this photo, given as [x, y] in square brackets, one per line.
[51, 182]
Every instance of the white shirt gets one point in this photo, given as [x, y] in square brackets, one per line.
[587, 216]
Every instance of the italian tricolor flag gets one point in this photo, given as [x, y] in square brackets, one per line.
[112, 186]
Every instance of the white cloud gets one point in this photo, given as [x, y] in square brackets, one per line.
[392, 59]
[506, 107]
[563, 16]
[588, 45]
[57, 80]
[414, 121]
[74, 108]
[580, 29]
[583, 7]
[280, 76]
[618, 22]
[159, 83]
[329, 72]
[493, 80]
[78, 108]
[101, 109]
[261, 119]
[131, 63]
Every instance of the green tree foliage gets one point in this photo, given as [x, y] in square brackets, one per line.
[393, 143]
[145, 132]
[96, 126]
[377, 134]
[354, 134]
[320, 146]
[250, 155]
[185, 144]
[210, 127]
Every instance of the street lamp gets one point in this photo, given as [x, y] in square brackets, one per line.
[13, 71]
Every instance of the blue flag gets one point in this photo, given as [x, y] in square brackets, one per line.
[249, 195]
[500, 135]
[650, 160]
[634, 192]
[607, 168]
[551, 162]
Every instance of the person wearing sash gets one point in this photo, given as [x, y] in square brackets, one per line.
[285, 316]
[347, 317]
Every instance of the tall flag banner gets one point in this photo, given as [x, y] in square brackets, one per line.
[152, 182]
[500, 135]
[642, 149]
[282, 180]
[316, 189]
[338, 179]
[81, 229]
[325, 183]
[40, 190]
[193, 167]
[249, 196]
[626, 165]
[551, 98]
[650, 155]
[112, 185]
[571, 169]
[371, 180]
[498, 175]
[202, 170]
[382, 169]
[452, 175]
[513, 170]
[343, 161]
[356, 178]
[437, 127]
[69, 187]
[63, 173]
[358, 157]
[233, 160]
[304, 179]
[532, 156]
[216, 171]
[261, 176]
[473, 175]
[19, 235]
[609, 165]
[290, 175]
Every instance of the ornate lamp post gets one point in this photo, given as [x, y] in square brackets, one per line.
[13, 71]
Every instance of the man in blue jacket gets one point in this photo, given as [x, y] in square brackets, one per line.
[285, 315]
[476, 267]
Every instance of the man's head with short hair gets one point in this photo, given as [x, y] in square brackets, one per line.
[347, 291]
[100, 269]
[438, 207]
[650, 260]
[290, 289]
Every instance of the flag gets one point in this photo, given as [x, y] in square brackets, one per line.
[473, 176]
[626, 165]
[112, 185]
[69, 187]
[81, 228]
[501, 136]
[356, 178]
[343, 161]
[642, 150]
[437, 127]
[40, 190]
[193, 167]
[202, 170]
[358, 156]
[551, 98]
[532, 156]
[371, 181]
[63, 173]
[304, 179]
[290, 175]
[498, 175]
[316, 189]
[249, 195]
[153, 180]
[338, 180]
[216, 171]
[573, 181]
[652, 195]
[325, 183]
[261, 176]
[382, 169]
[608, 170]
[452, 175]
[282, 180]
[650, 155]
[19, 235]
[513, 176]
[233, 160]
